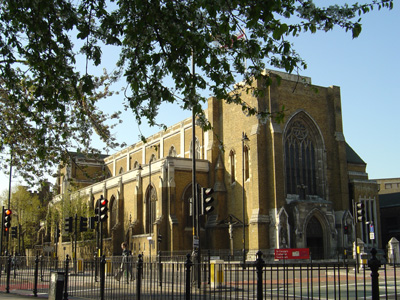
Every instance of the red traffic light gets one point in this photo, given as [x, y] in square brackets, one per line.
[7, 212]
[103, 202]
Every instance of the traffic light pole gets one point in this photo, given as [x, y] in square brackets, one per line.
[76, 239]
[100, 224]
[2, 230]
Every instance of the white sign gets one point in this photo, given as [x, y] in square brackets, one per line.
[48, 248]
[371, 235]
[195, 242]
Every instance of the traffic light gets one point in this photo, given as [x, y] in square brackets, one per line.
[206, 200]
[14, 232]
[57, 234]
[7, 219]
[103, 209]
[360, 212]
[92, 222]
[68, 224]
[83, 224]
[346, 229]
[159, 238]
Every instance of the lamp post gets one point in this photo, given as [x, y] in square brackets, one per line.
[244, 139]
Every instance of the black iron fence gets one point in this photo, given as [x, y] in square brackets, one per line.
[171, 278]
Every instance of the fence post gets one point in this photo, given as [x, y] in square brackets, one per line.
[36, 275]
[66, 277]
[102, 276]
[188, 265]
[259, 266]
[8, 270]
[139, 276]
[41, 267]
[374, 264]
[160, 268]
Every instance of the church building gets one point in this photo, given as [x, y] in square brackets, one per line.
[288, 184]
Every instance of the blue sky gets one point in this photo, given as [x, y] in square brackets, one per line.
[367, 70]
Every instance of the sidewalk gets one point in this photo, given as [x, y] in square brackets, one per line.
[24, 295]
[21, 295]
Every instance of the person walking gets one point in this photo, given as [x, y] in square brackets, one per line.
[125, 264]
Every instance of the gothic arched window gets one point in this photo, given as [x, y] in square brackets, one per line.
[303, 158]
[113, 211]
[246, 163]
[151, 202]
[232, 165]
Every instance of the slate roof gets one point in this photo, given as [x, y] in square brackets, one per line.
[352, 156]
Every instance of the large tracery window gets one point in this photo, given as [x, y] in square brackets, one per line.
[303, 153]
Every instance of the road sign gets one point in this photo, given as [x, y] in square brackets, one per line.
[196, 242]
[371, 228]
[292, 253]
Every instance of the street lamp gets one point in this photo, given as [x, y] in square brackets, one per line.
[244, 139]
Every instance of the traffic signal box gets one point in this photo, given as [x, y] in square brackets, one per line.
[57, 234]
[92, 222]
[7, 219]
[102, 216]
[206, 200]
[83, 224]
[360, 212]
[68, 225]
[14, 232]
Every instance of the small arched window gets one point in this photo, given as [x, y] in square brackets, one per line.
[246, 163]
[151, 202]
[232, 165]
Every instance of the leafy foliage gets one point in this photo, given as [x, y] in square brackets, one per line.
[29, 209]
[47, 105]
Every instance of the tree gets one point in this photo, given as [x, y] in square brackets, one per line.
[29, 210]
[48, 104]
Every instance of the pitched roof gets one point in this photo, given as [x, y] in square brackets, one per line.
[352, 156]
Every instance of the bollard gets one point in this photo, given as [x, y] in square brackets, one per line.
[259, 266]
[139, 276]
[102, 276]
[188, 265]
[66, 277]
[374, 264]
[36, 275]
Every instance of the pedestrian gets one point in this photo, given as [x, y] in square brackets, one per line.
[125, 264]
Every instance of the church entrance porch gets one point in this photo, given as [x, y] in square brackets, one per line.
[315, 239]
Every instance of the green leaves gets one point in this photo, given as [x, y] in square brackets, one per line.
[279, 31]
[48, 102]
[356, 30]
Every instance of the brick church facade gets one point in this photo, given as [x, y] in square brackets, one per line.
[294, 182]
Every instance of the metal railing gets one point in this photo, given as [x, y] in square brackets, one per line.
[162, 278]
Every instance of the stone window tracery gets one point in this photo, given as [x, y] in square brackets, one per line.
[303, 158]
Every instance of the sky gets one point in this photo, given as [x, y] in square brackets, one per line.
[367, 70]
